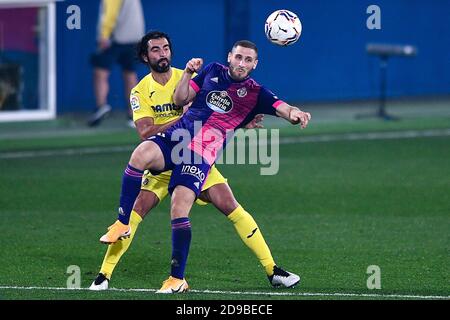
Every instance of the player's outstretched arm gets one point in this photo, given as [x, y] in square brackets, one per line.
[184, 93]
[293, 114]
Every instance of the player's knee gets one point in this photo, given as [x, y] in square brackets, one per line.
[141, 156]
[137, 158]
[179, 209]
[182, 200]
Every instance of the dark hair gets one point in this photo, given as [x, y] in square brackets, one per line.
[245, 44]
[142, 46]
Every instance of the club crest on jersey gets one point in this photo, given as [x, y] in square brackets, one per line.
[134, 102]
[219, 101]
[242, 92]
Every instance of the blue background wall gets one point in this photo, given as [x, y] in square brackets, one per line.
[328, 63]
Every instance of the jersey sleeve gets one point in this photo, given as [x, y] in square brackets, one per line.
[267, 102]
[197, 81]
[140, 105]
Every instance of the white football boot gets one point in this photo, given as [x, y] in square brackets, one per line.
[100, 283]
[283, 278]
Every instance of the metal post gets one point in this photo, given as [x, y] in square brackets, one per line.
[384, 51]
[383, 74]
[383, 80]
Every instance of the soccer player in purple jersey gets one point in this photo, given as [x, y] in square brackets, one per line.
[156, 89]
[223, 100]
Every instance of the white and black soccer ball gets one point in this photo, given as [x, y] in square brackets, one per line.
[283, 27]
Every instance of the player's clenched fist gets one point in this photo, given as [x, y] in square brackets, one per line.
[194, 65]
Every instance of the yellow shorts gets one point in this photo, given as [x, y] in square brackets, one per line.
[158, 184]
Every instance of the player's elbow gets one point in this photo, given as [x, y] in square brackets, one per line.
[179, 100]
[144, 134]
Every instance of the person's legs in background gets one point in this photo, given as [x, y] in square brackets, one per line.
[101, 89]
[102, 62]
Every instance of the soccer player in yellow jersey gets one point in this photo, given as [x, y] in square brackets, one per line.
[154, 111]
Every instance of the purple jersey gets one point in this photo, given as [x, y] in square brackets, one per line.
[222, 105]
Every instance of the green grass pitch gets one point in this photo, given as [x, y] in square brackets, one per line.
[333, 209]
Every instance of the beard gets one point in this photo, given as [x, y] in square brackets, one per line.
[157, 67]
[236, 75]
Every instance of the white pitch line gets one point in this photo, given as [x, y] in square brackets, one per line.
[253, 293]
[286, 140]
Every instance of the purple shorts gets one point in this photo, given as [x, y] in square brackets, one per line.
[189, 169]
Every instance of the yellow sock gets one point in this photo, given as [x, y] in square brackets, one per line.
[116, 250]
[250, 233]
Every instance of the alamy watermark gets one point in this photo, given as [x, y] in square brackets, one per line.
[374, 20]
[73, 21]
[74, 278]
[255, 147]
[374, 280]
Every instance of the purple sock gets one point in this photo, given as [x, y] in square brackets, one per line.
[131, 185]
[181, 240]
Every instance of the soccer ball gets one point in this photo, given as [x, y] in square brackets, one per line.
[283, 27]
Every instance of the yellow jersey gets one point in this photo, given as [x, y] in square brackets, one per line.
[151, 99]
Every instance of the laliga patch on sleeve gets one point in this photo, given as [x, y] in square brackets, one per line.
[134, 102]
